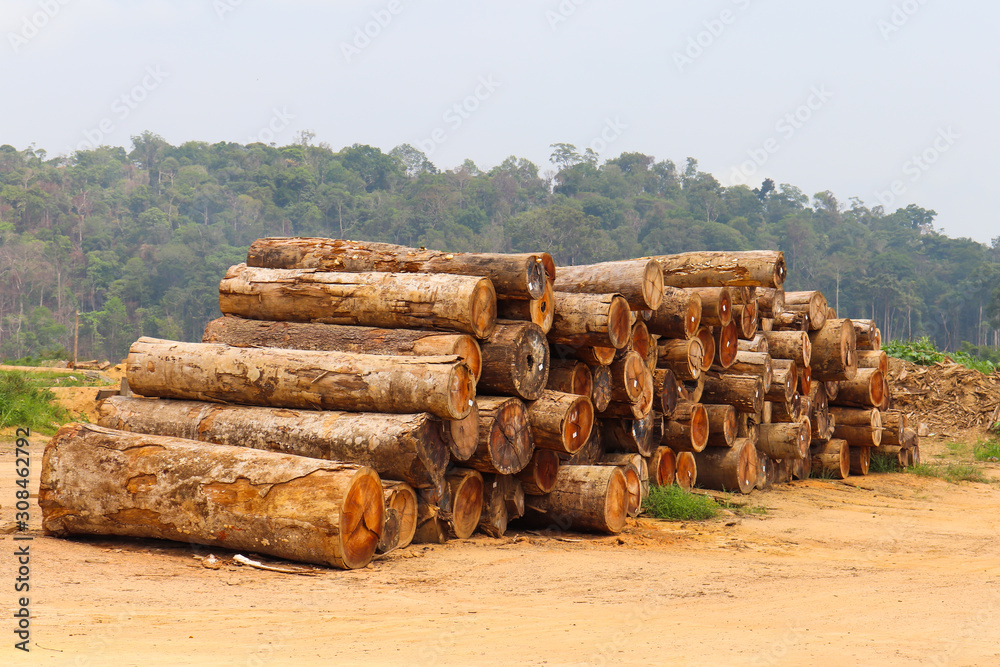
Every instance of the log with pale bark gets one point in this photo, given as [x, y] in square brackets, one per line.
[770, 301]
[753, 363]
[585, 320]
[832, 457]
[539, 476]
[722, 425]
[867, 334]
[394, 300]
[662, 466]
[629, 435]
[784, 382]
[632, 390]
[894, 424]
[541, 311]
[401, 497]
[570, 376]
[860, 460]
[517, 275]
[685, 357]
[443, 386]
[744, 392]
[505, 439]
[102, 481]
[790, 321]
[241, 332]
[687, 470]
[860, 427]
[762, 268]
[729, 469]
[873, 359]
[600, 395]
[812, 303]
[757, 344]
[636, 478]
[789, 411]
[515, 361]
[590, 497]
[794, 345]
[786, 440]
[561, 421]
[688, 429]
[679, 315]
[716, 305]
[865, 390]
[834, 355]
[404, 447]
[639, 281]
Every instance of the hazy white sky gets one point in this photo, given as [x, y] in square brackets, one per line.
[891, 101]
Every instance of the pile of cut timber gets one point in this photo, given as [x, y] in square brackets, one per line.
[357, 397]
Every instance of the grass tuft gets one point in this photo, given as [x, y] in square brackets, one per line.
[950, 472]
[883, 463]
[23, 404]
[676, 504]
[986, 450]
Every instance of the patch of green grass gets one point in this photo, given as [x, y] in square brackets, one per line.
[986, 450]
[676, 504]
[883, 463]
[44, 379]
[23, 404]
[950, 472]
[959, 449]
[743, 509]
[924, 353]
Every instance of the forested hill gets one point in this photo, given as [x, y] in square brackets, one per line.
[137, 240]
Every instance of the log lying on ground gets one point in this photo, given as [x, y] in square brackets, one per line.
[431, 523]
[521, 275]
[639, 281]
[716, 305]
[802, 468]
[600, 395]
[688, 429]
[636, 478]
[794, 345]
[679, 315]
[397, 300]
[860, 427]
[722, 425]
[505, 439]
[443, 386]
[539, 476]
[495, 515]
[834, 355]
[786, 440]
[561, 421]
[404, 447]
[515, 361]
[865, 390]
[584, 498]
[832, 457]
[812, 303]
[570, 376]
[541, 311]
[687, 470]
[389, 539]
[106, 482]
[893, 427]
[629, 435]
[860, 460]
[662, 466]
[729, 469]
[744, 392]
[763, 268]
[240, 332]
[401, 497]
[684, 357]
[466, 502]
[591, 320]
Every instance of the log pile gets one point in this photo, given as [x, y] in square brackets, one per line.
[435, 394]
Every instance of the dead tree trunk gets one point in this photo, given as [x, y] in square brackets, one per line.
[679, 315]
[560, 421]
[583, 320]
[722, 425]
[832, 457]
[794, 345]
[762, 268]
[539, 476]
[860, 460]
[684, 357]
[601, 393]
[628, 435]
[813, 304]
[687, 430]
[834, 355]
[584, 498]
[716, 305]
[730, 469]
[639, 281]
[864, 391]
[744, 392]
[727, 345]
[786, 440]
[570, 376]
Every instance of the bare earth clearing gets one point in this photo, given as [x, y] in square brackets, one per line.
[885, 569]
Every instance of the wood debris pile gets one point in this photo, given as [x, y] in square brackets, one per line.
[947, 396]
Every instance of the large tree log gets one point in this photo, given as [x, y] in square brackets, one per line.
[539, 476]
[466, 502]
[636, 477]
[753, 363]
[601, 393]
[240, 332]
[401, 497]
[395, 300]
[666, 390]
[867, 334]
[629, 435]
[708, 348]
[745, 315]
[570, 376]
[790, 321]
[443, 386]
[106, 482]
[802, 468]
[639, 281]
[865, 390]
[859, 427]
[515, 361]
[591, 320]
[405, 447]
[794, 345]
[786, 440]
[860, 460]
[561, 421]
[684, 357]
[893, 427]
[757, 344]
[590, 355]
[770, 301]
[541, 311]
[722, 425]
[584, 498]
[726, 345]
[783, 383]
[728, 469]
[505, 439]
[687, 430]
[873, 359]
[521, 275]
[687, 470]
[631, 381]
[662, 466]
[679, 315]
[591, 452]
[832, 457]
[834, 354]
[716, 305]
[762, 268]
[462, 435]
[812, 303]
[744, 392]
[494, 518]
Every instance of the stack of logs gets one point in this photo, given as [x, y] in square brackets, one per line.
[357, 397]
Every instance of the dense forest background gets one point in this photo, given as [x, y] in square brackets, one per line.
[137, 241]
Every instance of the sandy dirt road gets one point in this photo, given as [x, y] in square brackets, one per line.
[881, 570]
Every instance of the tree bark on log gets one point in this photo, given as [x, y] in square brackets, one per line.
[716, 305]
[722, 425]
[859, 427]
[873, 359]
[832, 457]
[794, 345]
[540, 311]
[783, 384]
[770, 301]
[790, 321]
[639, 281]
[688, 429]
[583, 320]
[812, 303]
[744, 392]
[730, 469]
[443, 386]
[561, 421]
[867, 335]
[636, 477]
[539, 476]
[679, 315]
[515, 361]
[893, 427]
[745, 315]
[786, 440]
[753, 363]
[662, 467]
[584, 498]
[240, 332]
[834, 354]
[600, 395]
[395, 300]
[106, 482]
[570, 376]
[629, 435]
[401, 497]
[757, 344]
[518, 275]
[494, 518]
[802, 468]
[684, 357]
[866, 390]
[762, 268]
[860, 460]
[404, 447]
[505, 439]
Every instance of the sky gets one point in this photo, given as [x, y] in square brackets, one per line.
[889, 101]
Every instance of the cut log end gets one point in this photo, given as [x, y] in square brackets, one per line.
[484, 309]
[462, 393]
[361, 518]
[466, 501]
[579, 422]
[510, 441]
[462, 435]
[727, 346]
[543, 309]
[687, 470]
[652, 285]
[619, 322]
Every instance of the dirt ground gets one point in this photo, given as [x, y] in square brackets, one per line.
[885, 569]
